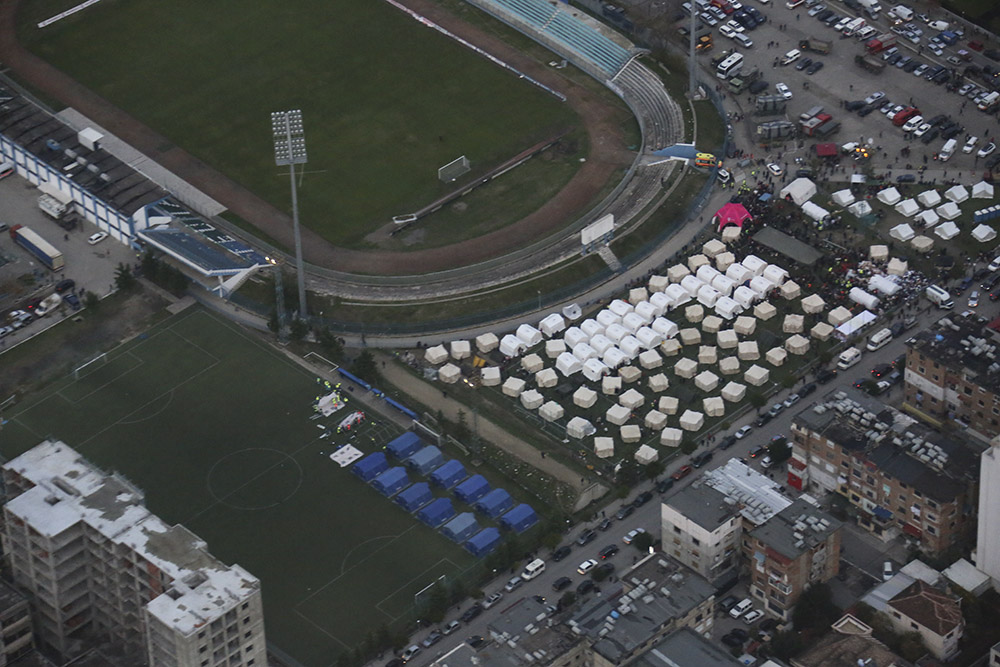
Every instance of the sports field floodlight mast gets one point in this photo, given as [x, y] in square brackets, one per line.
[290, 149]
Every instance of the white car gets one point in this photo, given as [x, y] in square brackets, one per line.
[632, 535]
[492, 600]
[410, 652]
[874, 97]
[783, 90]
[887, 570]
[816, 9]
[735, 26]
[913, 123]
[586, 566]
[766, 461]
[791, 57]
[922, 130]
[94, 239]
[970, 145]
[708, 18]
[792, 400]
[752, 616]
[743, 432]
[891, 113]
[741, 607]
[775, 168]
[994, 265]
[986, 150]
[727, 31]
[743, 40]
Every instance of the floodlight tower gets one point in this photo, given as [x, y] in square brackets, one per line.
[290, 149]
[692, 62]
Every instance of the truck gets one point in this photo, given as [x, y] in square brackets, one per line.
[52, 207]
[743, 79]
[871, 6]
[886, 40]
[43, 251]
[948, 37]
[823, 46]
[873, 65]
[810, 126]
[826, 129]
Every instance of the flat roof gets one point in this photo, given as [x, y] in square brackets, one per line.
[797, 529]
[789, 246]
[186, 247]
[703, 505]
[964, 343]
[686, 648]
[757, 496]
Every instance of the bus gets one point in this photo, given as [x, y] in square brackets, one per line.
[730, 67]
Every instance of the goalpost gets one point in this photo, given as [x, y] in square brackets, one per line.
[454, 169]
[99, 360]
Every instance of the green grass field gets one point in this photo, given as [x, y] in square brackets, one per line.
[385, 100]
[216, 429]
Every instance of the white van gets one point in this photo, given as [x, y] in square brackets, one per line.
[879, 339]
[791, 57]
[6, 169]
[848, 358]
[865, 33]
[533, 569]
[854, 26]
[741, 607]
[947, 150]
[902, 12]
[940, 296]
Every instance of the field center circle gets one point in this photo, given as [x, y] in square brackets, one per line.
[255, 478]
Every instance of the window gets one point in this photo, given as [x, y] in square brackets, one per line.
[694, 540]
[677, 529]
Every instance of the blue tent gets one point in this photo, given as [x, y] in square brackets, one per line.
[450, 474]
[426, 459]
[519, 519]
[483, 542]
[437, 512]
[404, 445]
[495, 503]
[370, 466]
[413, 498]
[472, 489]
[391, 482]
[461, 528]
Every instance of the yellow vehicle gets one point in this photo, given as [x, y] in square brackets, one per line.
[704, 160]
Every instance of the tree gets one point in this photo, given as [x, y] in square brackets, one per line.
[688, 446]
[757, 399]
[150, 265]
[815, 608]
[567, 599]
[91, 300]
[272, 322]
[911, 646]
[655, 469]
[779, 450]
[462, 431]
[366, 368]
[331, 345]
[785, 645]
[124, 280]
[298, 329]
[437, 603]
[642, 542]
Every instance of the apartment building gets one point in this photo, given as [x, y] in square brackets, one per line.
[953, 375]
[794, 549]
[16, 637]
[98, 566]
[987, 554]
[898, 475]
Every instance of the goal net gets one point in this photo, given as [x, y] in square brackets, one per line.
[454, 169]
[87, 367]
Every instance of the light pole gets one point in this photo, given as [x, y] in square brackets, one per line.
[279, 295]
[290, 149]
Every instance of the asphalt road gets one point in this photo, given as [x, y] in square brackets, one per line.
[860, 551]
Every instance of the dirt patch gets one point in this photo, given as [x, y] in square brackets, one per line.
[600, 119]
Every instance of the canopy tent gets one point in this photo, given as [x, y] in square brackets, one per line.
[745, 325]
[631, 399]
[370, 466]
[487, 342]
[617, 415]
[630, 433]
[604, 447]
[677, 272]
[594, 370]
[908, 208]
[414, 497]
[843, 197]
[579, 428]
[664, 327]
[449, 374]
[391, 482]
[821, 331]
[685, 368]
[659, 383]
[519, 519]
[730, 234]
[671, 437]
[472, 489]
[528, 335]
[532, 363]
[490, 376]
[883, 285]
[605, 318]
[748, 351]
[734, 392]
[922, 244]
[902, 232]
[775, 274]
[815, 211]
[860, 209]
[791, 290]
[889, 196]
[650, 359]
[692, 420]
[647, 311]
[461, 528]
[711, 324]
[511, 346]
[460, 349]
[697, 261]
[724, 260]
[897, 267]
[754, 264]
[449, 474]
[949, 210]
[513, 387]
[531, 399]
[694, 313]
[425, 460]
[756, 375]
[723, 285]
[436, 355]
[551, 411]
[764, 311]
[632, 321]
[707, 274]
[947, 231]
[855, 324]
[776, 356]
[437, 512]
[838, 316]
[494, 503]
[731, 214]
[797, 344]
[552, 324]
[657, 283]
[572, 312]
[584, 397]
[714, 247]
[799, 191]
[600, 343]
[574, 336]
[929, 198]
[404, 445]
[655, 420]
[555, 347]
[678, 295]
[984, 233]
[483, 542]
[714, 406]
[927, 218]
[956, 193]
[982, 190]
[646, 455]
[706, 381]
[860, 296]
[761, 286]
[813, 304]
[668, 405]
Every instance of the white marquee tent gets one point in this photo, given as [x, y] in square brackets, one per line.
[843, 197]
[929, 198]
[927, 218]
[487, 342]
[984, 233]
[799, 191]
[948, 230]
[949, 210]
[568, 365]
[982, 190]
[552, 324]
[528, 335]
[902, 232]
[860, 209]
[957, 194]
[889, 196]
[908, 208]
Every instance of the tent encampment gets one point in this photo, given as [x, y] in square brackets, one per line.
[370, 466]
[391, 482]
[927, 218]
[494, 503]
[449, 474]
[902, 232]
[878, 253]
[512, 346]
[472, 489]
[896, 267]
[949, 210]
[889, 196]
[519, 519]
[929, 198]
[461, 528]
[908, 208]
[860, 209]
[883, 285]
[815, 211]
[425, 460]
[584, 397]
[404, 445]
[483, 542]
[799, 191]
[414, 497]
[437, 512]
[843, 197]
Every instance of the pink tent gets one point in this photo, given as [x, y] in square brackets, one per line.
[732, 214]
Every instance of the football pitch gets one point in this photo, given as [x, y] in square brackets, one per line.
[216, 429]
[385, 100]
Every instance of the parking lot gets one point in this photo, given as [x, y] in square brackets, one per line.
[23, 279]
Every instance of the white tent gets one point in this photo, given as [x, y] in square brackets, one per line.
[747, 351]
[606, 318]
[574, 336]
[799, 191]
[739, 273]
[631, 399]
[878, 253]
[655, 420]
[686, 368]
[551, 411]
[583, 351]
[724, 260]
[764, 311]
[600, 343]
[604, 447]
[592, 327]
[616, 333]
[908, 208]
[745, 325]
[691, 285]
[860, 209]
[632, 322]
[671, 437]
[531, 399]
[883, 285]
[449, 373]
[614, 358]
[572, 312]
[791, 290]
[668, 405]
[730, 234]
[815, 211]
[821, 331]
[546, 378]
[579, 428]
[552, 324]
[584, 397]
[889, 196]
[490, 376]
[670, 347]
[659, 383]
[813, 304]
[707, 296]
[776, 355]
[692, 420]
[761, 286]
[723, 285]
[775, 274]
[664, 327]
[648, 338]
[637, 295]
[734, 392]
[650, 359]
[677, 272]
[487, 342]
[744, 296]
[678, 295]
[629, 374]
[694, 313]
[617, 414]
[754, 264]
[555, 347]
[793, 323]
[532, 363]
[897, 267]
[956, 193]
[436, 355]
[713, 406]
[707, 274]
[568, 365]
[727, 339]
[855, 324]
[927, 218]
[620, 308]
[646, 455]
[713, 248]
[929, 198]
[729, 365]
[647, 311]
[843, 197]
[660, 302]
[797, 344]
[727, 308]
[696, 261]
[594, 370]
[756, 375]
[860, 296]
[711, 324]
[902, 232]
[947, 231]
[528, 335]
[631, 433]
[631, 346]
[513, 387]
[708, 354]
[922, 244]
[949, 210]
[984, 233]
[982, 190]
[706, 381]
[657, 283]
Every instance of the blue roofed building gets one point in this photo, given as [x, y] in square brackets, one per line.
[449, 474]
[437, 512]
[392, 481]
[519, 519]
[370, 466]
[495, 503]
[472, 489]
[414, 497]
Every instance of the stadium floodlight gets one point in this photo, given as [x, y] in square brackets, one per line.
[290, 149]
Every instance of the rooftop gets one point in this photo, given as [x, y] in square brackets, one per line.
[964, 344]
[847, 645]
[524, 633]
[928, 606]
[703, 505]
[68, 490]
[655, 592]
[686, 648]
[757, 496]
[798, 528]
[936, 465]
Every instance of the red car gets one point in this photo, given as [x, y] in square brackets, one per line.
[682, 472]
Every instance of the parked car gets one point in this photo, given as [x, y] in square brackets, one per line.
[631, 535]
[513, 584]
[807, 389]
[682, 472]
[492, 600]
[727, 442]
[824, 375]
[776, 409]
[664, 485]
[757, 451]
[700, 460]
[450, 628]
[586, 566]
[752, 616]
[742, 432]
[887, 570]
[624, 512]
[791, 400]
[561, 583]
[433, 638]
[560, 553]
[94, 239]
[586, 586]
[642, 499]
[410, 652]
[586, 537]
[65, 285]
[608, 551]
